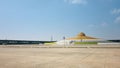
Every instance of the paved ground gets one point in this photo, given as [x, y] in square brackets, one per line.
[59, 57]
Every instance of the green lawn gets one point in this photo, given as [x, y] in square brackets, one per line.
[51, 43]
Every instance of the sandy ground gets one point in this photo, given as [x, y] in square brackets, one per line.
[59, 57]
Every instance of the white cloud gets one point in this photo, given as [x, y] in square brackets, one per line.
[83, 2]
[102, 24]
[117, 20]
[115, 11]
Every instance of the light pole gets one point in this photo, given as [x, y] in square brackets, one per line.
[51, 38]
[64, 40]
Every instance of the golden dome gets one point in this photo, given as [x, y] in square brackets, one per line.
[81, 34]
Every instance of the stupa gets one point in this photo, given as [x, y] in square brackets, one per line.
[81, 37]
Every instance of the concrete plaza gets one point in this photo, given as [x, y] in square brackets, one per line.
[59, 57]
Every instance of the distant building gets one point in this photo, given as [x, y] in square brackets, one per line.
[18, 42]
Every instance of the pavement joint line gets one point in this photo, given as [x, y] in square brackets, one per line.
[50, 61]
[80, 58]
[62, 58]
[106, 57]
[87, 56]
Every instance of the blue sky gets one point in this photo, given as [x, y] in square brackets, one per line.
[41, 19]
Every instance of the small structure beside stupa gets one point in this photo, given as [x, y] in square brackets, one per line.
[81, 37]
